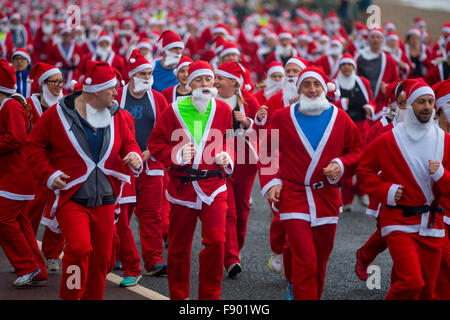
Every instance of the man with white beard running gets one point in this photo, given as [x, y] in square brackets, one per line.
[317, 144]
[409, 188]
[190, 139]
[146, 105]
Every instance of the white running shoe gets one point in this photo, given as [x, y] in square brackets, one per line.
[364, 200]
[52, 265]
[276, 263]
[26, 279]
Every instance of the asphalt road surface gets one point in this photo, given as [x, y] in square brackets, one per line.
[256, 281]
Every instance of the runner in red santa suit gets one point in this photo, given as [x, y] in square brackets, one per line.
[179, 91]
[230, 86]
[50, 82]
[418, 53]
[392, 47]
[376, 243]
[16, 185]
[66, 55]
[284, 50]
[441, 71]
[442, 92]
[146, 104]
[330, 60]
[287, 96]
[378, 67]
[190, 140]
[408, 188]
[43, 37]
[304, 183]
[91, 146]
[356, 99]
[6, 43]
[272, 84]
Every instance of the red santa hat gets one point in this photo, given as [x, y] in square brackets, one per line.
[99, 76]
[318, 74]
[41, 71]
[199, 68]
[170, 40]
[229, 47]
[332, 17]
[219, 42]
[3, 17]
[21, 52]
[184, 61]
[413, 31]
[389, 26]
[347, 58]
[392, 35]
[419, 22]
[284, 34]
[144, 43]
[137, 62]
[375, 30]
[48, 15]
[275, 66]
[104, 36]
[221, 28]
[302, 63]
[446, 28]
[7, 77]
[442, 92]
[391, 92]
[415, 88]
[232, 70]
[337, 42]
[303, 35]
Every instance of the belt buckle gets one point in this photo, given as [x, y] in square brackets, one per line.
[318, 185]
[203, 173]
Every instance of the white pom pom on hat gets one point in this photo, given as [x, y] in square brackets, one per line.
[88, 81]
[132, 60]
[248, 87]
[331, 86]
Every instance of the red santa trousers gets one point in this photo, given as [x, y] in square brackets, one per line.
[88, 235]
[375, 245]
[443, 282]
[239, 188]
[182, 225]
[52, 243]
[148, 211]
[277, 235]
[17, 239]
[126, 250]
[416, 265]
[310, 248]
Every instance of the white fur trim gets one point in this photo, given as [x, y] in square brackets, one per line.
[391, 194]
[198, 73]
[229, 75]
[228, 51]
[139, 68]
[47, 74]
[99, 87]
[419, 92]
[173, 45]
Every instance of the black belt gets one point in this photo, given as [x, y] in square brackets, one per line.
[317, 185]
[415, 211]
[198, 174]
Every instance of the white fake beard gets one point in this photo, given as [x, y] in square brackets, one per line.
[49, 98]
[346, 83]
[290, 88]
[334, 51]
[415, 129]
[47, 28]
[103, 53]
[272, 87]
[201, 100]
[171, 58]
[98, 118]
[284, 51]
[141, 85]
[80, 39]
[314, 107]
[401, 114]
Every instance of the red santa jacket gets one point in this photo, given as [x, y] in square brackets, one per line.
[274, 103]
[171, 134]
[307, 193]
[52, 132]
[326, 62]
[436, 74]
[405, 169]
[159, 104]
[170, 94]
[68, 62]
[16, 180]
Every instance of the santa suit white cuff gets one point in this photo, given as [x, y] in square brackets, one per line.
[391, 194]
[260, 123]
[52, 178]
[250, 127]
[439, 173]
[341, 165]
[179, 157]
[368, 106]
[139, 171]
[344, 103]
[228, 169]
[269, 185]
